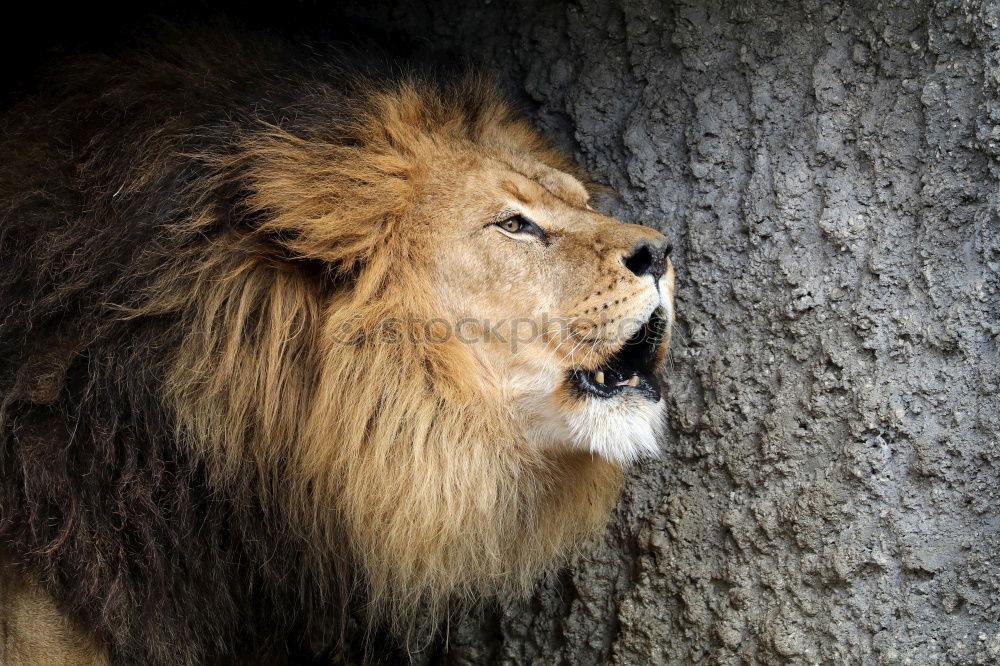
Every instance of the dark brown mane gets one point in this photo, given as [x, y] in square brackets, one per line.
[98, 500]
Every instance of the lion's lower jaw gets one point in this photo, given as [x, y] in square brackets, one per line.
[622, 430]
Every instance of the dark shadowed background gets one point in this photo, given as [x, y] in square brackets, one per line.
[829, 173]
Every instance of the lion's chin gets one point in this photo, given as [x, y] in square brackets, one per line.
[614, 410]
[624, 429]
[619, 411]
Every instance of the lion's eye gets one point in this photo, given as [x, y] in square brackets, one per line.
[519, 225]
[514, 224]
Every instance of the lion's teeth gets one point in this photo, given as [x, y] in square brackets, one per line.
[634, 381]
[599, 377]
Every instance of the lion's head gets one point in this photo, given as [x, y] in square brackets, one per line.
[418, 327]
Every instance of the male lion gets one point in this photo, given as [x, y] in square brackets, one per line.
[286, 343]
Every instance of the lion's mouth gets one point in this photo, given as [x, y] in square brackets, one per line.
[632, 368]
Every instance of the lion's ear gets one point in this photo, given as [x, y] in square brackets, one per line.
[319, 200]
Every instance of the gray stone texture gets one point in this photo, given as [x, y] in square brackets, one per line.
[828, 489]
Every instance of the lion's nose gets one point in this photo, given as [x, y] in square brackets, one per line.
[649, 258]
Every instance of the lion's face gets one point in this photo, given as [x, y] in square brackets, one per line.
[569, 311]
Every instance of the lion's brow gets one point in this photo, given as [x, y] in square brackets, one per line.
[513, 190]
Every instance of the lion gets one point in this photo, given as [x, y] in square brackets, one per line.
[292, 345]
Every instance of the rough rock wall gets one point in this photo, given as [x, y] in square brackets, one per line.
[829, 173]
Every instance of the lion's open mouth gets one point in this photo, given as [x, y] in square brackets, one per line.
[631, 368]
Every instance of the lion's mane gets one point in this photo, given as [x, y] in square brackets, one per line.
[187, 463]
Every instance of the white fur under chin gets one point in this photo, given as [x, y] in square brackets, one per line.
[623, 429]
